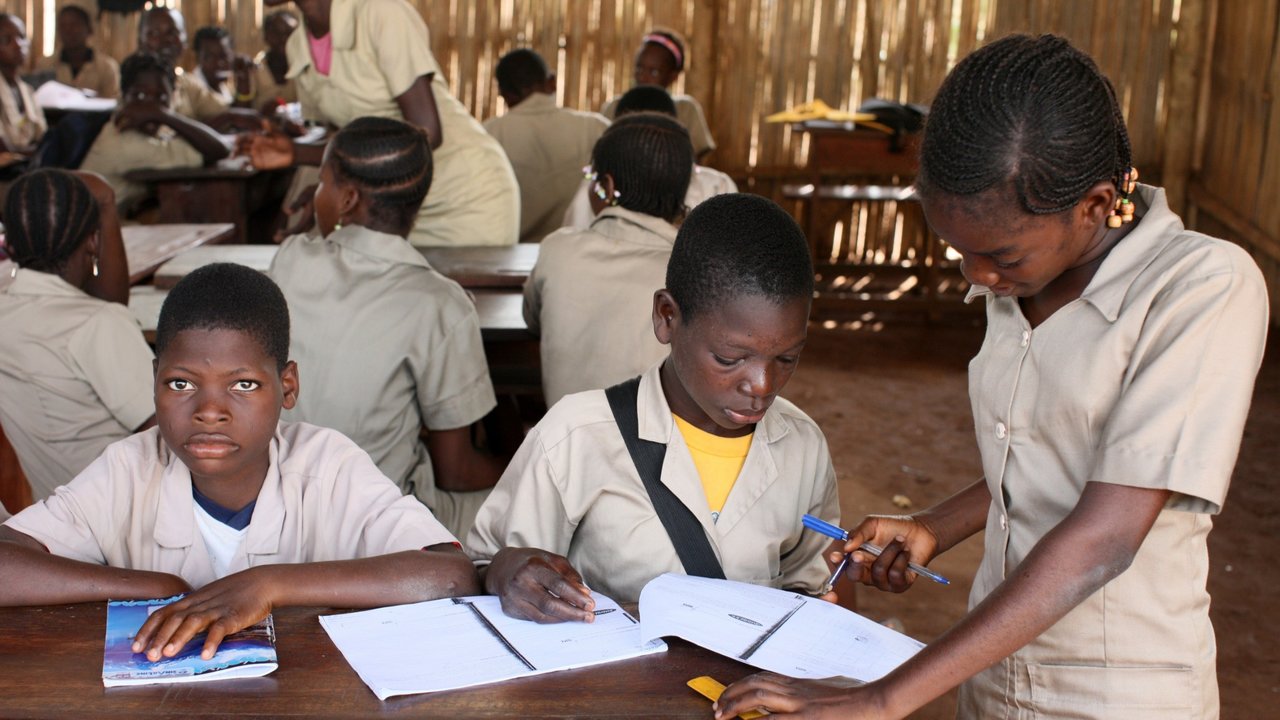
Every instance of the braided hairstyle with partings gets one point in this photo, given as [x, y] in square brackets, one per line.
[650, 158]
[47, 215]
[390, 162]
[140, 63]
[1033, 112]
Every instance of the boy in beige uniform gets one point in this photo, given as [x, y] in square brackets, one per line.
[380, 48]
[78, 65]
[163, 31]
[571, 511]
[222, 501]
[547, 144]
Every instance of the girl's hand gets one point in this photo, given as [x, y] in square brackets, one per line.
[904, 539]
[787, 697]
[136, 114]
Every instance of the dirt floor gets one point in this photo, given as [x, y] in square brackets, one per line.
[892, 400]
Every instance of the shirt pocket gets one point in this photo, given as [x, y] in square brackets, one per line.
[1089, 692]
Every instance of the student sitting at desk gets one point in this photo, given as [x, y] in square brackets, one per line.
[76, 63]
[22, 122]
[389, 345]
[659, 61]
[145, 133]
[590, 294]
[705, 182]
[743, 464]
[214, 56]
[75, 373]
[547, 144]
[222, 500]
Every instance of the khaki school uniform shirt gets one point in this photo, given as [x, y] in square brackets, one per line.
[573, 490]
[689, 113]
[100, 74]
[20, 127]
[590, 298]
[265, 87]
[1144, 381]
[385, 345]
[323, 499]
[75, 376]
[380, 48]
[115, 153]
[547, 146]
[194, 99]
[704, 183]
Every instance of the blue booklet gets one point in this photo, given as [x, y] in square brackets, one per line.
[248, 653]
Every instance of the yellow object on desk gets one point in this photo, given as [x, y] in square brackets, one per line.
[818, 110]
[709, 688]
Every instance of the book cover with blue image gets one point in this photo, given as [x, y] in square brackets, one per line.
[248, 653]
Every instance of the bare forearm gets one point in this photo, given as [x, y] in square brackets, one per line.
[34, 577]
[958, 517]
[459, 465]
[200, 136]
[404, 577]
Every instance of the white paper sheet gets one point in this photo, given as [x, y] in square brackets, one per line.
[447, 644]
[54, 95]
[775, 630]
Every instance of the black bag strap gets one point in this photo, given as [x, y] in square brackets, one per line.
[683, 528]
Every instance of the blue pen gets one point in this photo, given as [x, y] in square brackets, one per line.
[823, 527]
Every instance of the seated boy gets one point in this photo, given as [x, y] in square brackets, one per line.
[77, 64]
[214, 56]
[223, 501]
[146, 133]
[571, 511]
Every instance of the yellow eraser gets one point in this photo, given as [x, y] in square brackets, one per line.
[707, 687]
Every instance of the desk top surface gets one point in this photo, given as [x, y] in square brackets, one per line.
[51, 666]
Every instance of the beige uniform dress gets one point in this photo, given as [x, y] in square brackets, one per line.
[385, 346]
[380, 48]
[573, 490]
[194, 99]
[590, 298]
[115, 153]
[75, 376]
[20, 127]
[548, 146]
[100, 74]
[689, 113]
[1144, 381]
[704, 183]
[323, 499]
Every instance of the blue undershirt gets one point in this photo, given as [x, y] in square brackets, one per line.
[235, 519]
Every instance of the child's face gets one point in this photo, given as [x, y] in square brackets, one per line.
[215, 60]
[218, 400]
[13, 43]
[655, 66]
[162, 35]
[149, 87]
[72, 31]
[730, 361]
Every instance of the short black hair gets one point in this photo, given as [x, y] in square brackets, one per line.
[140, 63]
[212, 33]
[47, 215]
[227, 296]
[520, 71]
[650, 158]
[1033, 112]
[78, 12]
[674, 37]
[646, 98]
[390, 161]
[735, 245]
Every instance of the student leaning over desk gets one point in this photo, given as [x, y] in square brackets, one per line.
[223, 501]
[1109, 399]
[572, 512]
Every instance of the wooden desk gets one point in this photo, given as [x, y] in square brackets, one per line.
[210, 194]
[51, 666]
[258, 257]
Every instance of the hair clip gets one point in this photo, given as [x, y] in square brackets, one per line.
[590, 174]
[1123, 211]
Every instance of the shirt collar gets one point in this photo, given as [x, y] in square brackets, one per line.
[656, 229]
[537, 102]
[384, 246]
[35, 282]
[657, 421]
[88, 57]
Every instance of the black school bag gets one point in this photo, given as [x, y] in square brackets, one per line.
[901, 118]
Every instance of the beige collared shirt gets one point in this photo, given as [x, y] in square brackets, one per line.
[194, 99]
[380, 48]
[573, 489]
[548, 146]
[689, 113]
[322, 500]
[101, 74]
[21, 128]
[590, 298]
[385, 345]
[115, 153]
[704, 183]
[265, 87]
[1145, 381]
[75, 376]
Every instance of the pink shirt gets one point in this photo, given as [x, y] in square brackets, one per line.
[321, 52]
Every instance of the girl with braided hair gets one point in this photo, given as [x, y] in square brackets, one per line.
[75, 372]
[387, 344]
[1109, 399]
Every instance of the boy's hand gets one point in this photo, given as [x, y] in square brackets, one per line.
[222, 607]
[267, 152]
[787, 697]
[904, 539]
[538, 585]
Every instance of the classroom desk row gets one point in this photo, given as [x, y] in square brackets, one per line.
[51, 666]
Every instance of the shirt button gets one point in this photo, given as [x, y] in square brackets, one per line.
[1026, 338]
[1001, 431]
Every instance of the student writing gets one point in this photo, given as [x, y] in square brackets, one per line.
[223, 501]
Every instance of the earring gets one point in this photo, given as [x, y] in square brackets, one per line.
[95, 266]
[1122, 213]
[13, 272]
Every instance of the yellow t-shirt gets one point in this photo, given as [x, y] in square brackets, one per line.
[718, 459]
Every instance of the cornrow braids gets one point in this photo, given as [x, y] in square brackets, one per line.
[389, 161]
[650, 158]
[47, 215]
[1033, 112]
[139, 64]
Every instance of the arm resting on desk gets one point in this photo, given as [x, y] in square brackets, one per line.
[137, 115]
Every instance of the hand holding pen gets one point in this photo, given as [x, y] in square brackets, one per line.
[885, 573]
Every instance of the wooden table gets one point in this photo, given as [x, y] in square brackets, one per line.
[212, 194]
[51, 666]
